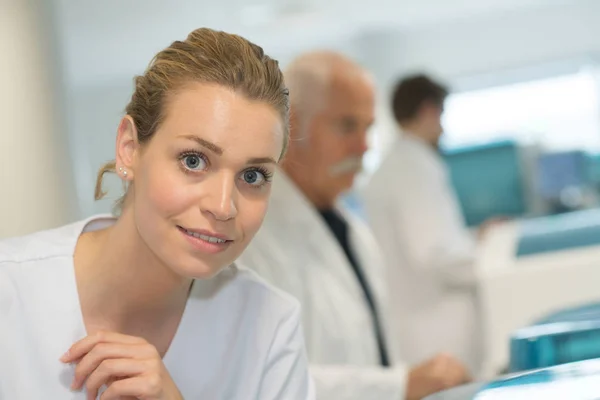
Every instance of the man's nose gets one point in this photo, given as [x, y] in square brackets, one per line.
[362, 143]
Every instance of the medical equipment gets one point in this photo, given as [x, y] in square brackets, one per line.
[506, 178]
[566, 336]
[559, 232]
[528, 269]
[574, 381]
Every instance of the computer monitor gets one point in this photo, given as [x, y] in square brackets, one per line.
[593, 167]
[488, 180]
[559, 171]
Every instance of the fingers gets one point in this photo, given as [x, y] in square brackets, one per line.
[105, 351]
[441, 372]
[136, 387]
[109, 370]
[451, 371]
[82, 347]
[129, 366]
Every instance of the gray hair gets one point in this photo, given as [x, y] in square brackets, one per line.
[309, 78]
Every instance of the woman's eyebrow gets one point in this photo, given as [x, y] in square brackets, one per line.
[204, 143]
[262, 160]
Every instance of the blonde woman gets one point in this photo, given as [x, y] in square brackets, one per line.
[149, 305]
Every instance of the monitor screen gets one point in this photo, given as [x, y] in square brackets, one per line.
[488, 181]
[557, 171]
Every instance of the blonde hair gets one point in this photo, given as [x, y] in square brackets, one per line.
[206, 56]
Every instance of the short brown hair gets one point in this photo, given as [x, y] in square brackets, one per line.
[412, 92]
[206, 56]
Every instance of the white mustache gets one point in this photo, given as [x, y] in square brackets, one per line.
[352, 164]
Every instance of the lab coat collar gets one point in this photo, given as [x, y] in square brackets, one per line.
[414, 138]
[411, 139]
[285, 194]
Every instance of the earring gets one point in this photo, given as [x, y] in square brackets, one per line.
[123, 171]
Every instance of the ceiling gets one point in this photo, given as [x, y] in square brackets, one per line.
[104, 39]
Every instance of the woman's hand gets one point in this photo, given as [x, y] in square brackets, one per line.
[129, 367]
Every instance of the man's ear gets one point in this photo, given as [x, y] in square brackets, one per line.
[127, 147]
[430, 108]
[294, 127]
[299, 131]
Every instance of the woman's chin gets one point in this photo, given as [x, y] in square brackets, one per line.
[200, 269]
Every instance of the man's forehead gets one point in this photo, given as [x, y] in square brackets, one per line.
[351, 96]
[351, 76]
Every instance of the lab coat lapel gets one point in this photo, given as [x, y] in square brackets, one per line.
[320, 243]
[372, 263]
[367, 253]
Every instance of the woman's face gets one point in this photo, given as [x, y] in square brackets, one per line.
[201, 185]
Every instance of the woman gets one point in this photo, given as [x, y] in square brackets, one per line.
[148, 305]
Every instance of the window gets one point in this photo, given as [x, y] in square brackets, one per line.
[560, 113]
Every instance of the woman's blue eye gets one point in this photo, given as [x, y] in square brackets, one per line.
[253, 177]
[194, 162]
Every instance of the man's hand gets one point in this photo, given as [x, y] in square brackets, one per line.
[489, 224]
[440, 373]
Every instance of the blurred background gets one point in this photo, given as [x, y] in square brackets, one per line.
[524, 77]
[522, 124]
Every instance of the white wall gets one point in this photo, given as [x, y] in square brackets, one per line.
[476, 46]
[35, 180]
[94, 114]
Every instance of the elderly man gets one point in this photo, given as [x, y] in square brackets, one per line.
[313, 249]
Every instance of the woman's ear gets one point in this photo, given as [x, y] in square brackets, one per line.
[126, 148]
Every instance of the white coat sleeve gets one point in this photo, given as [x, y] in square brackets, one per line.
[345, 382]
[286, 374]
[425, 212]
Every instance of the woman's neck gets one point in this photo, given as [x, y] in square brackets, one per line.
[122, 285]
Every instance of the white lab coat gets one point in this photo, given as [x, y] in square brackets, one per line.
[413, 211]
[296, 251]
[239, 338]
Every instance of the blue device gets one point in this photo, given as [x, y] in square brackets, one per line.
[559, 232]
[557, 171]
[487, 180]
[566, 336]
[554, 344]
[574, 381]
